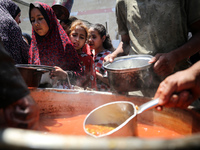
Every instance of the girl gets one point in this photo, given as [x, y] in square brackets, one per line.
[100, 41]
[51, 46]
[78, 34]
[66, 26]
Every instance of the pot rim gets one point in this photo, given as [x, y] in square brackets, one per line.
[35, 67]
[118, 70]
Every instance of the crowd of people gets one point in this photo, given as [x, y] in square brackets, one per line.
[77, 51]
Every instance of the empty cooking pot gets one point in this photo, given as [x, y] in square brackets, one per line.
[130, 73]
[120, 115]
[32, 73]
[62, 8]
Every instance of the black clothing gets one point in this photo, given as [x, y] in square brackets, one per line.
[12, 85]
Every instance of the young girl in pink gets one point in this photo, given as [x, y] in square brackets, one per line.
[78, 34]
[51, 46]
[100, 41]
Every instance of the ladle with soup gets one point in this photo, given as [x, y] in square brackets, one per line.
[115, 118]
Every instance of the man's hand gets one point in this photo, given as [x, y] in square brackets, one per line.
[164, 63]
[180, 89]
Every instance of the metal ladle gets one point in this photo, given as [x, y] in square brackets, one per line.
[121, 113]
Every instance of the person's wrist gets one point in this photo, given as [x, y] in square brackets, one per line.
[195, 70]
[114, 55]
[175, 56]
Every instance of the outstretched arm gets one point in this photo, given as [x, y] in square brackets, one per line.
[122, 49]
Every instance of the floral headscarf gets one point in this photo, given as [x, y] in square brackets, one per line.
[55, 48]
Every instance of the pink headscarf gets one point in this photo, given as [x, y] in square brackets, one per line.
[55, 48]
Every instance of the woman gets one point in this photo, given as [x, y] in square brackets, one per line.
[10, 32]
[50, 44]
[15, 12]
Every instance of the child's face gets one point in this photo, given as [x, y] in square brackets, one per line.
[38, 22]
[94, 39]
[78, 37]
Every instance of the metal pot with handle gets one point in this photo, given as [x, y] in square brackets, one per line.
[130, 73]
[32, 73]
[120, 115]
[62, 8]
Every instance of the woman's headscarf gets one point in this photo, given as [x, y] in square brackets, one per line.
[11, 34]
[13, 9]
[55, 48]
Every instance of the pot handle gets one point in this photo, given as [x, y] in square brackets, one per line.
[42, 70]
[148, 105]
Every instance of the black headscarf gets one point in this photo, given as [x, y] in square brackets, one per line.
[11, 34]
[14, 10]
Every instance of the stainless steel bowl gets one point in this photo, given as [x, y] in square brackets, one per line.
[129, 73]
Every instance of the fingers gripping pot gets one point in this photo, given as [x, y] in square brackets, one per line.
[129, 73]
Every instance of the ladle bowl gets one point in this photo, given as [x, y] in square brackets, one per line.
[122, 114]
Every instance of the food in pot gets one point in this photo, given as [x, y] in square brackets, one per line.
[100, 129]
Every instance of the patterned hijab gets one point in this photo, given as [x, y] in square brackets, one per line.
[10, 32]
[55, 48]
[13, 9]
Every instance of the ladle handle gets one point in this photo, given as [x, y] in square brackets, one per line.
[149, 105]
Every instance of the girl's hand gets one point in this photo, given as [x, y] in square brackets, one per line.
[164, 63]
[109, 58]
[59, 73]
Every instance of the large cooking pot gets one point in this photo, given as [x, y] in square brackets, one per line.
[32, 73]
[130, 73]
[62, 8]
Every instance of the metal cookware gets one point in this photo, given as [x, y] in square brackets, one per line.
[129, 73]
[32, 73]
[120, 113]
[62, 8]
